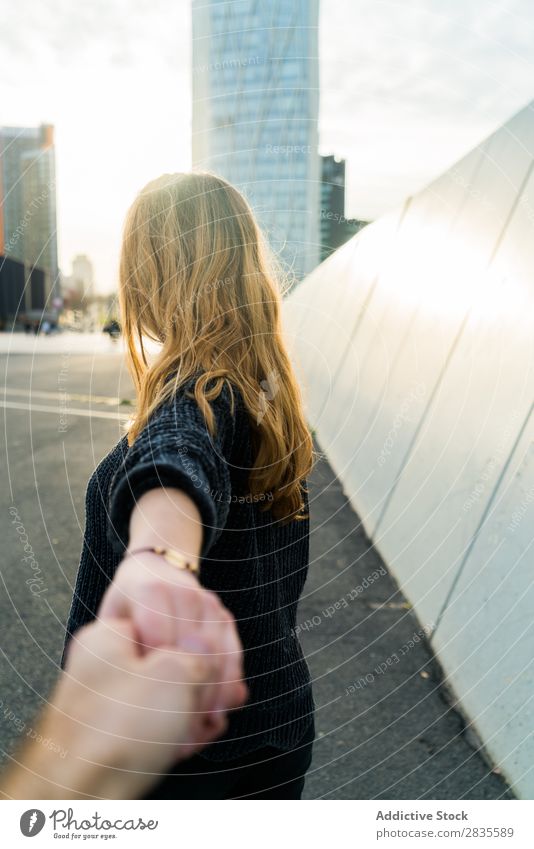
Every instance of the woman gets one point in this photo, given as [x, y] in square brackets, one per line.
[212, 473]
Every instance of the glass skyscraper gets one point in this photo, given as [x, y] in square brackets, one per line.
[255, 113]
[28, 198]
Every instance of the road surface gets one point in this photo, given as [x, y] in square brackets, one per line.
[384, 728]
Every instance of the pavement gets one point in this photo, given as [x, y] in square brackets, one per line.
[385, 728]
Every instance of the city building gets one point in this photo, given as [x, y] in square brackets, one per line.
[18, 288]
[82, 277]
[353, 226]
[28, 210]
[332, 211]
[334, 227]
[255, 114]
[77, 288]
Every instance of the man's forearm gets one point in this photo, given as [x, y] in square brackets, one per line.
[36, 772]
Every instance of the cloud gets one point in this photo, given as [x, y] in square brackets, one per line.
[406, 88]
[67, 33]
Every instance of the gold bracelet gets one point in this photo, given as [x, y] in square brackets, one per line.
[171, 556]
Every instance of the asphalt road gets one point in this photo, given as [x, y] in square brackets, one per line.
[384, 728]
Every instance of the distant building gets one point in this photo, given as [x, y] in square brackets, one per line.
[12, 290]
[255, 113]
[28, 209]
[22, 294]
[353, 226]
[82, 277]
[335, 229]
[332, 211]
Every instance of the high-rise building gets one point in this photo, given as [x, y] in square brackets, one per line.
[28, 207]
[353, 226]
[335, 229]
[255, 113]
[332, 213]
[82, 275]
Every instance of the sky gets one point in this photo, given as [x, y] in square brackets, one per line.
[406, 89]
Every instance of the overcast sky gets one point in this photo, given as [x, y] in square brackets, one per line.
[406, 89]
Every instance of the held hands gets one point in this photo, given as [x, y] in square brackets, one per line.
[147, 684]
[131, 715]
[167, 607]
[168, 610]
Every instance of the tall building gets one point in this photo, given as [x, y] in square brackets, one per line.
[255, 113]
[78, 288]
[332, 213]
[82, 275]
[28, 208]
[335, 229]
[12, 290]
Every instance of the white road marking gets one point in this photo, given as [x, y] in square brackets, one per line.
[66, 396]
[64, 411]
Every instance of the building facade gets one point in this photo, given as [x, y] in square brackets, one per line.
[255, 114]
[334, 227]
[82, 277]
[332, 213]
[28, 208]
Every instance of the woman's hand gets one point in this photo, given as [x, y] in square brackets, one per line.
[168, 607]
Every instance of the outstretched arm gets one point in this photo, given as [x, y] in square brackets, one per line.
[117, 717]
[164, 602]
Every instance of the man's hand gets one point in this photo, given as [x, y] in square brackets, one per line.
[145, 707]
[168, 607]
[123, 716]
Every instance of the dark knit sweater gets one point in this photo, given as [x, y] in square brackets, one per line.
[256, 565]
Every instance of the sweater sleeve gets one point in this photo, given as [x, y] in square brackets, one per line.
[176, 449]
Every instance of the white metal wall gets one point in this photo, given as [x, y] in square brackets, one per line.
[415, 344]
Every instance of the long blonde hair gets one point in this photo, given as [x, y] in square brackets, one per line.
[196, 276]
